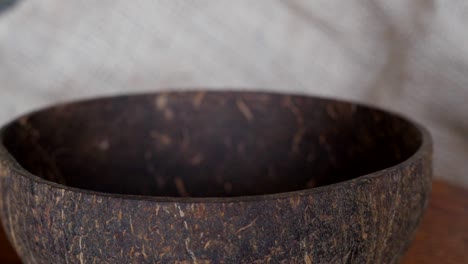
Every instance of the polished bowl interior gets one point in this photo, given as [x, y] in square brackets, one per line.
[212, 177]
[208, 144]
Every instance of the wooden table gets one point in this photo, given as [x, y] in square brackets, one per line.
[442, 237]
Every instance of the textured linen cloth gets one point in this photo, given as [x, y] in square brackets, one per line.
[406, 56]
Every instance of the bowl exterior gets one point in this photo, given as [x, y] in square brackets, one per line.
[370, 219]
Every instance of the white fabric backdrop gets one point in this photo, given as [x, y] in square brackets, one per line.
[407, 56]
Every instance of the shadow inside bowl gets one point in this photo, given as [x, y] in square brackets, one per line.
[208, 144]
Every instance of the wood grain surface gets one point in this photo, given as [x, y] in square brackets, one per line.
[442, 237]
[443, 234]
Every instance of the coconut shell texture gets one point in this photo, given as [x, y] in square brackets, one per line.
[213, 177]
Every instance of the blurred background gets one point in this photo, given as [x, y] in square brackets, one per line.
[406, 56]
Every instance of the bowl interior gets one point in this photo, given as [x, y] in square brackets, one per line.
[208, 144]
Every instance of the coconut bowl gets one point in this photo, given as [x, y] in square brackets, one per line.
[213, 177]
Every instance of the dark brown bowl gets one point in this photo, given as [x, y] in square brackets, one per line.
[213, 177]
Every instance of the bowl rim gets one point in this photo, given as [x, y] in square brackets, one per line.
[423, 151]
